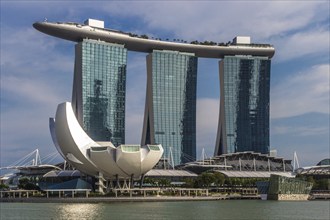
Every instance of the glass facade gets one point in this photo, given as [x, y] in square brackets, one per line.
[244, 108]
[170, 116]
[100, 84]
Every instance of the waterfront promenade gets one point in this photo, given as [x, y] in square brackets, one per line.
[112, 199]
[124, 195]
[134, 195]
[126, 199]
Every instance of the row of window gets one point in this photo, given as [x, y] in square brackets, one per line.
[104, 75]
[246, 82]
[174, 85]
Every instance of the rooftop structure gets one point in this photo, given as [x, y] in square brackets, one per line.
[77, 32]
[320, 171]
[242, 40]
[324, 162]
[243, 164]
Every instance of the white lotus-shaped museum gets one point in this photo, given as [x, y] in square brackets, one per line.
[95, 158]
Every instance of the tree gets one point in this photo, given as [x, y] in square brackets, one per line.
[148, 180]
[311, 180]
[205, 179]
[3, 186]
[322, 184]
[144, 36]
[228, 182]
[24, 183]
[163, 182]
[219, 179]
[189, 182]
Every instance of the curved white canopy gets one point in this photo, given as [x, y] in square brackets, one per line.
[92, 157]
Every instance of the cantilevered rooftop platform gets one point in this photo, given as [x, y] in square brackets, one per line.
[76, 32]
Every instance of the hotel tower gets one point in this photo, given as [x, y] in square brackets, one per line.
[170, 112]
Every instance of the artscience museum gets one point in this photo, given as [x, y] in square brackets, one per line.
[99, 159]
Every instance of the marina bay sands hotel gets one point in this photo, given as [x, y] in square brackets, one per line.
[99, 88]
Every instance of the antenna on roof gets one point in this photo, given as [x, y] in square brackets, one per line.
[204, 156]
[295, 161]
[171, 158]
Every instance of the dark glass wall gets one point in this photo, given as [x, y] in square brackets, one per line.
[245, 89]
[103, 85]
[171, 106]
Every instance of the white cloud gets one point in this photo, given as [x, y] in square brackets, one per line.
[30, 56]
[29, 62]
[207, 124]
[222, 20]
[308, 154]
[294, 29]
[301, 93]
[311, 42]
[135, 97]
[34, 79]
[136, 81]
[30, 90]
[300, 131]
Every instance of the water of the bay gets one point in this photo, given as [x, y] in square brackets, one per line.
[234, 209]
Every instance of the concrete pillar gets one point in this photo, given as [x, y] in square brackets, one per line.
[117, 182]
[141, 180]
[132, 181]
[100, 177]
[225, 164]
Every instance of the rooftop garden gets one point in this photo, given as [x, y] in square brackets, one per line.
[196, 42]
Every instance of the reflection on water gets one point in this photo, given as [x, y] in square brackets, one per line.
[78, 211]
[234, 209]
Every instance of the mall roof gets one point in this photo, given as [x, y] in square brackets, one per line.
[315, 170]
[63, 173]
[253, 174]
[170, 173]
[324, 162]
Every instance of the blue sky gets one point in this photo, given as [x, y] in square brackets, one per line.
[37, 70]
